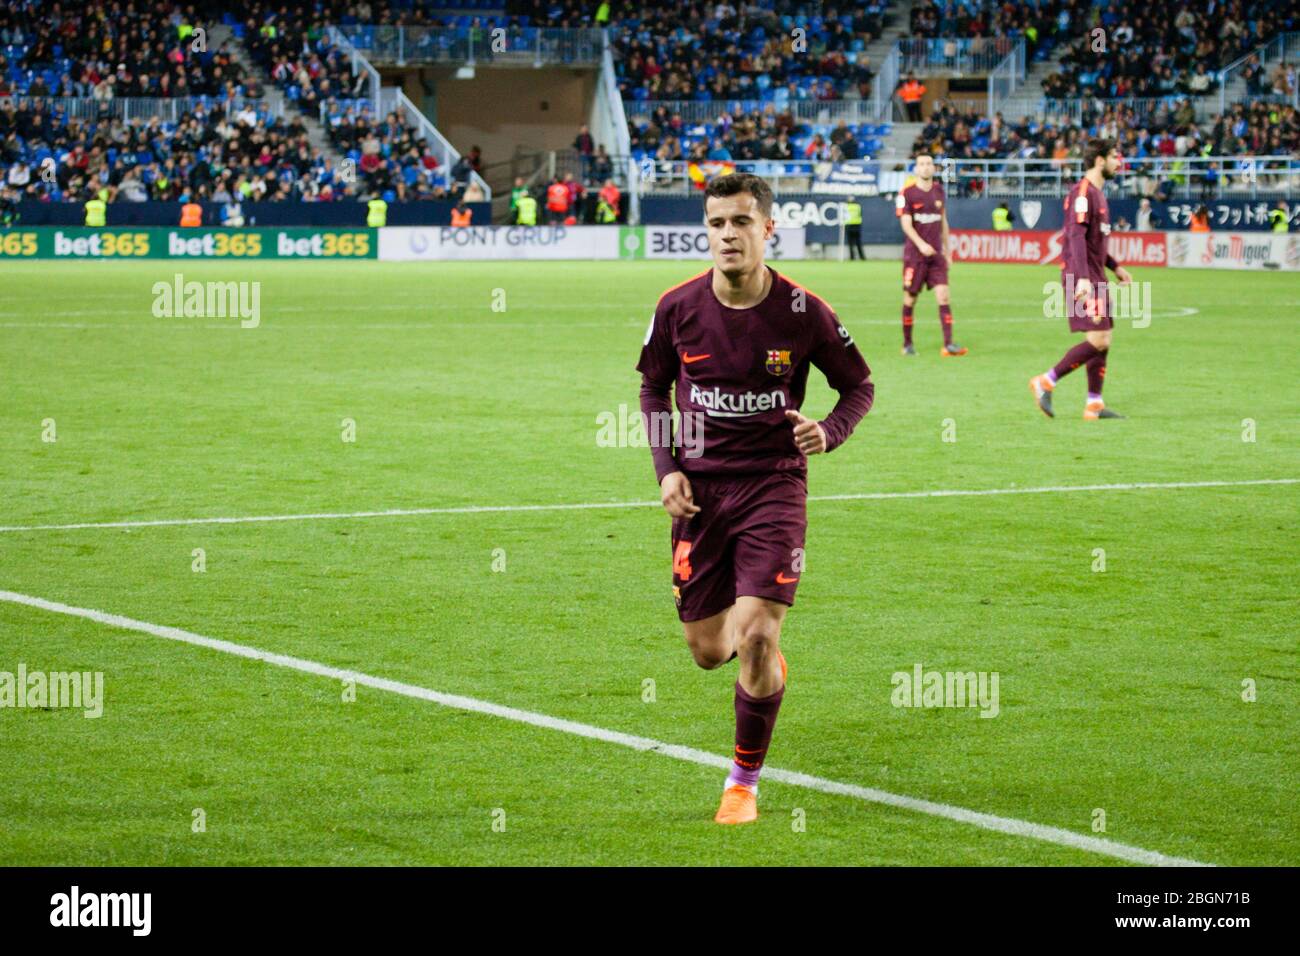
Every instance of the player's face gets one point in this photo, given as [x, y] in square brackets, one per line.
[924, 168]
[1113, 162]
[738, 233]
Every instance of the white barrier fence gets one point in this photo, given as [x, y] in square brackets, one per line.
[537, 243]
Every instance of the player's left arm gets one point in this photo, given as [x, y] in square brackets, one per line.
[947, 254]
[1121, 273]
[846, 371]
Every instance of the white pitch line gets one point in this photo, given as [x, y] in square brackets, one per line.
[272, 322]
[986, 821]
[603, 505]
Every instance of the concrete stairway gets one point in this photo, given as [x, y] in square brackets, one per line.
[1025, 100]
[896, 27]
[898, 19]
[273, 95]
[898, 145]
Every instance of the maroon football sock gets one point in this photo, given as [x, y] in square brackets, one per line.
[907, 325]
[1097, 372]
[755, 718]
[945, 318]
[1081, 354]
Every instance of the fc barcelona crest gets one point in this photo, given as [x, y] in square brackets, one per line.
[778, 361]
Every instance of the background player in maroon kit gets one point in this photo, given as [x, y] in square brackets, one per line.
[737, 342]
[1084, 261]
[923, 213]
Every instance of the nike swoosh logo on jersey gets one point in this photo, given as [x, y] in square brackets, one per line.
[782, 579]
[688, 359]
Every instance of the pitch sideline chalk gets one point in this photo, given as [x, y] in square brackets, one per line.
[987, 821]
[601, 505]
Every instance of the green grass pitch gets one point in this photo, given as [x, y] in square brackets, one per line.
[1120, 690]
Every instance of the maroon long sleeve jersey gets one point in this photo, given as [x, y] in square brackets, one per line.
[738, 371]
[1087, 229]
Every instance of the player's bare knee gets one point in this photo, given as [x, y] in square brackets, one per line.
[758, 638]
[710, 656]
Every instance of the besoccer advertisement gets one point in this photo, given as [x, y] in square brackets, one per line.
[501, 464]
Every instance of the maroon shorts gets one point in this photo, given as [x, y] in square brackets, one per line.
[1091, 314]
[746, 540]
[924, 272]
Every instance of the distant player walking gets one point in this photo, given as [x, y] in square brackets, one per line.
[1084, 261]
[921, 209]
[737, 341]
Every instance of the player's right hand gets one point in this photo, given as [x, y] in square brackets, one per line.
[676, 495]
[1083, 289]
[925, 249]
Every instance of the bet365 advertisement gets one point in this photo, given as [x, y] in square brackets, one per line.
[53, 242]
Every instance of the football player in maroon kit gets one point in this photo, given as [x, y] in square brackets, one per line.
[921, 209]
[1084, 261]
[737, 343]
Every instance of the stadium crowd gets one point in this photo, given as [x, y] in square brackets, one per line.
[208, 156]
[664, 51]
[1163, 47]
[705, 51]
[769, 134]
[106, 50]
[1169, 130]
[1042, 23]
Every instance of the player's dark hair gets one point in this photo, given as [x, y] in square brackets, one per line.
[736, 183]
[1096, 149]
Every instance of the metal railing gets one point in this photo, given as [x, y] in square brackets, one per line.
[384, 100]
[1240, 177]
[1285, 47]
[608, 118]
[819, 112]
[1146, 109]
[168, 110]
[1182, 177]
[884, 85]
[954, 56]
[359, 63]
[438, 143]
[494, 45]
[673, 177]
[1006, 77]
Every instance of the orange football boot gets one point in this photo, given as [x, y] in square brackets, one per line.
[1097, 409]
[739, 805]
[1042, 388]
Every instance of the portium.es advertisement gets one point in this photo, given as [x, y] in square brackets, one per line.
[190, 243]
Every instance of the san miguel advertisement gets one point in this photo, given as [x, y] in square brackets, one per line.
[1042, 247]
[1234, 250]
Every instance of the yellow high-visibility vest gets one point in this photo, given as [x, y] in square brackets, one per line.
[96, 212]
[376, 213]
[527, 211]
